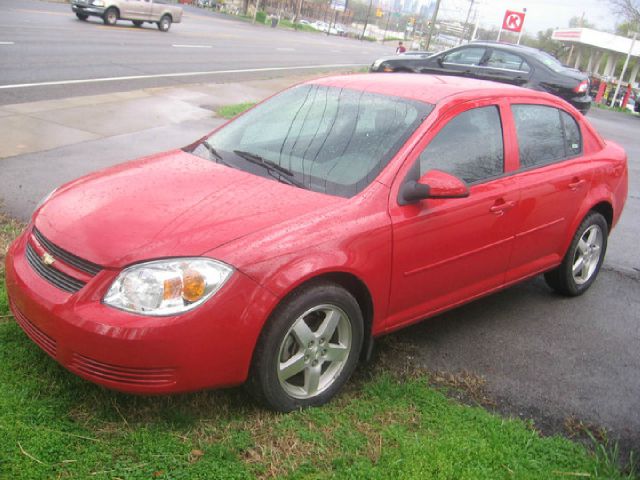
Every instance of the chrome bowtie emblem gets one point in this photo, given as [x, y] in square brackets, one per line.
[47, 259]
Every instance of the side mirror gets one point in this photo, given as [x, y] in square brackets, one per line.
[433, 184]
[439, 61]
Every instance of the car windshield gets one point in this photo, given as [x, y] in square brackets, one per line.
[326, 139]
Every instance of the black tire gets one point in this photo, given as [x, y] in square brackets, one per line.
[165, 23]
[137, 23]
[279, 344]
[111, 16]
[81, 16]
[562, 279]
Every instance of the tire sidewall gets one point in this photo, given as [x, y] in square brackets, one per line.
[165, 23]
[264, 370]
[106, 16]
[593, 218]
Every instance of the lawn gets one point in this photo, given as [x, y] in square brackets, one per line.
[390, 423]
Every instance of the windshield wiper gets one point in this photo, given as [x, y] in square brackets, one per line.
[211, 149]
[271, 167]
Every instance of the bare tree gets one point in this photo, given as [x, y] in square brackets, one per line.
[629, 9]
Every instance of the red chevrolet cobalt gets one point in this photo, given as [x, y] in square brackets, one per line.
[275, 249]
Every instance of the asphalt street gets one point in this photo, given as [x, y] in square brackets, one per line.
[542, 356]
[43, 42]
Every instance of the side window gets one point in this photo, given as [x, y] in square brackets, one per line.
[507, 61]
[465, 56]
[541, 135]
[469, 146]
[572, 135]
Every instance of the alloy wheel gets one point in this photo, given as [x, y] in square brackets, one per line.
[314, 351]
[587, 254]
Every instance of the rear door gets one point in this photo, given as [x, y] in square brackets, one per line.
[505, 67]
[554, 178]
[446, 251]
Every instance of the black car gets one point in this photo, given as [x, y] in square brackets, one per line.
[500, 62]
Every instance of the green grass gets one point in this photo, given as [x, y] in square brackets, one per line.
[230, 111]
[386, 425]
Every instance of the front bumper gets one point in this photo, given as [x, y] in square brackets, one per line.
[88, 10]
[211, 346]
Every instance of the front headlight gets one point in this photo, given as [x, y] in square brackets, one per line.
[376, 64]
[97, 3]
[167, 287]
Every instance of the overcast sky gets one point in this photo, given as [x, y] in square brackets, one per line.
[541, 14]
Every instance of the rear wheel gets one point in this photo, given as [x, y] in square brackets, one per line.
[81, 16]
[137, 23]
[110, 16]
[165, 23]
[309, 348]
[583, 260]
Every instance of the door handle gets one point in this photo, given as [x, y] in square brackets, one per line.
[576, 184]
[500, 208]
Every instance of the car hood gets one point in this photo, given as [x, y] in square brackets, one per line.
[168, 205]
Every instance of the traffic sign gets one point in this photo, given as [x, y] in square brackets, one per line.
[513, 21]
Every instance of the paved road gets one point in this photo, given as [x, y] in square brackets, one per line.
[44, 42]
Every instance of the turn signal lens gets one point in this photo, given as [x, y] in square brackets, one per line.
[193, 286]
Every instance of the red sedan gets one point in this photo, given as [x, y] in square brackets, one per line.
[275, 249]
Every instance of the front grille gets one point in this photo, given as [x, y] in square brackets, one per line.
[43, 340]
[68, 258]
[53, 275]
[151, 377]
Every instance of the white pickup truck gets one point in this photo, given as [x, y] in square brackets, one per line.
[138, 11]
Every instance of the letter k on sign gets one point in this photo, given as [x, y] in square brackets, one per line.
[513, 21]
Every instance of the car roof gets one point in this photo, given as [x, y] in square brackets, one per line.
[421, 87]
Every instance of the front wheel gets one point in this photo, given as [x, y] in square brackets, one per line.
[165, 23]
[583, 260]
[110, 16]
[308, 349]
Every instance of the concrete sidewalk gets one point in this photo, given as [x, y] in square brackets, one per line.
[38, 126]
[45, 144]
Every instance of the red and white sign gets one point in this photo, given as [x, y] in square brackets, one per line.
[513, 21]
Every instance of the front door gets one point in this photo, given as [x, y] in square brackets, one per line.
[446, 251]
[505, 67]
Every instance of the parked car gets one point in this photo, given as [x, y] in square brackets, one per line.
[159, 12]
[275, 249]
[500, 62]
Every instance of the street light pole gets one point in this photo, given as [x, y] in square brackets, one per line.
[466, 23]
[624, 68]
[433, 24]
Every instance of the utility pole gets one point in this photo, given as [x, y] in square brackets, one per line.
[466, 23]
[624, 68]
[433, 24]
[366, 22]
